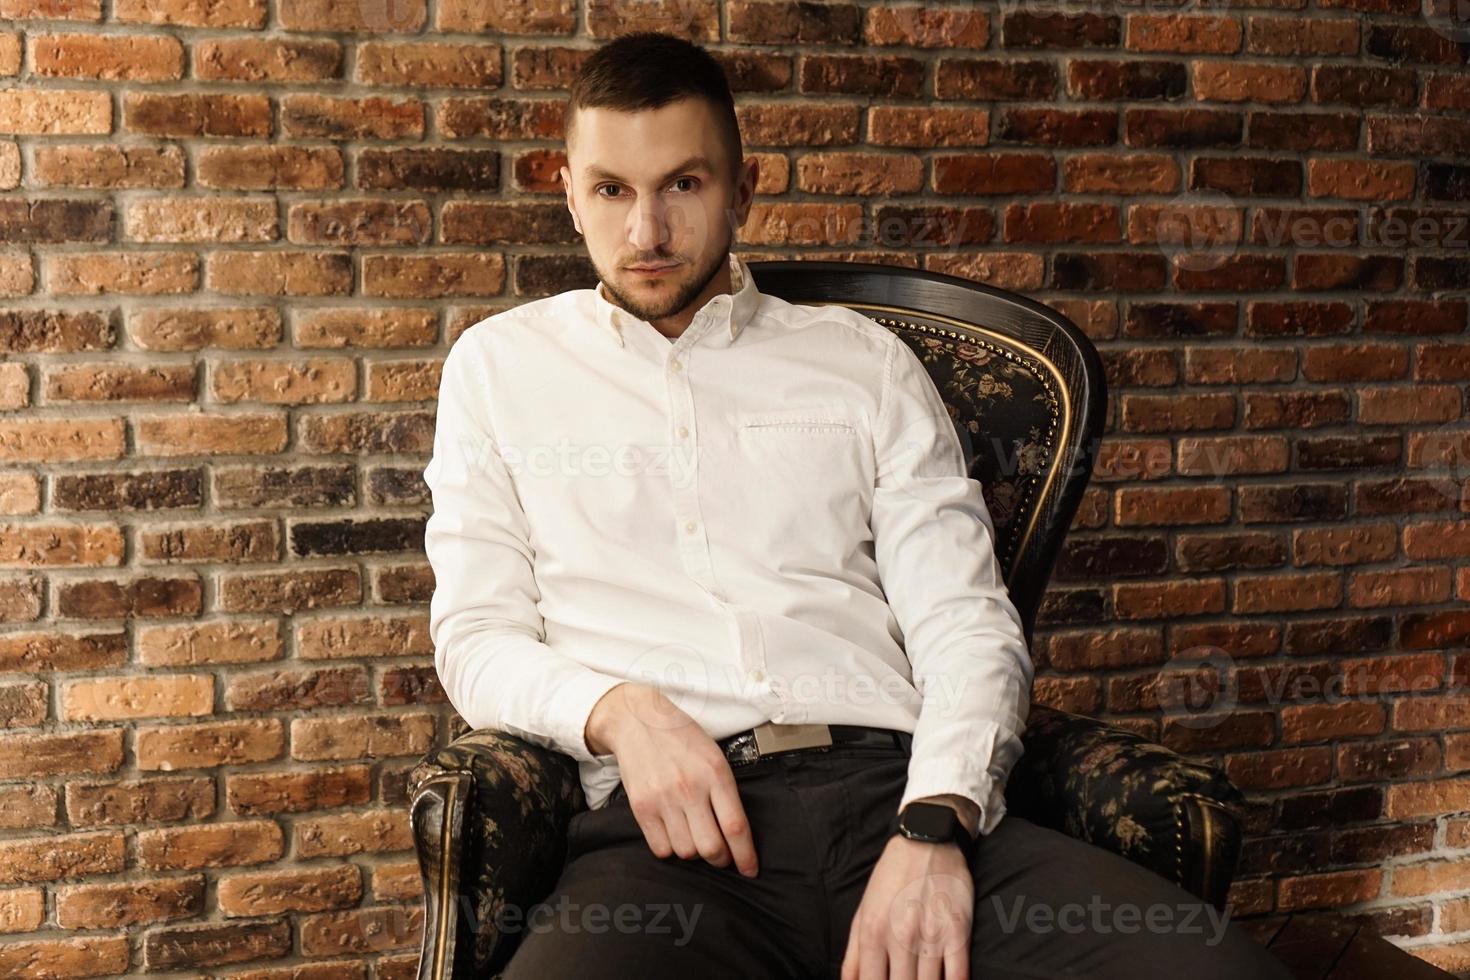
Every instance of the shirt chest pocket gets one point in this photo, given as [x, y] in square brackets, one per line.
[815, 454]
[796, 494]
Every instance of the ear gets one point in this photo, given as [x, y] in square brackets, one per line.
[749, 176]
[566, 183]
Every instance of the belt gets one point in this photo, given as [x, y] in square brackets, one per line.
[770, 738]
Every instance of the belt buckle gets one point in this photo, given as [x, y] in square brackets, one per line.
[771, 737]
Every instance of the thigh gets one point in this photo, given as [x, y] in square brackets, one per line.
[1047, 904]
[620, 911]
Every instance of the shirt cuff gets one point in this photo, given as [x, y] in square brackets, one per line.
[574, 702]
[957, 774]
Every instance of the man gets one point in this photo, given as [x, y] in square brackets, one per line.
[722, 550]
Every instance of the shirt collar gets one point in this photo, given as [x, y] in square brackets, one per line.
[730, 311]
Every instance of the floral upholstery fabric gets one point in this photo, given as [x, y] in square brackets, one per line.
[1004, 409]
[1111, 787]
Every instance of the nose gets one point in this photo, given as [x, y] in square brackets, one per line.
[650, 226]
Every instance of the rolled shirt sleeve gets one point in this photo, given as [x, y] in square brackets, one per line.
[935, 549]
[488, 635]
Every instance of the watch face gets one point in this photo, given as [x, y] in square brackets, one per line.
[930, 820]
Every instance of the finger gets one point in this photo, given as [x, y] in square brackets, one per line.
[930, 966]
[850, 955]
[655, 833]
[957, 962]
[873, 961]
[734, 825]
[679, 836]
[902, 963]
[706, 833]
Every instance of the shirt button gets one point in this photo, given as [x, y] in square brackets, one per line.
[689, 526]
[683, 431]
[757, 675]
[674, 365]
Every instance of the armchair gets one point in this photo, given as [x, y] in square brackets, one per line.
[1026, 391]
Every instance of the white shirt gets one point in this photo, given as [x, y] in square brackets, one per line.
[768, 518]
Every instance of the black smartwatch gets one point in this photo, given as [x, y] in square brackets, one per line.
[936, 823]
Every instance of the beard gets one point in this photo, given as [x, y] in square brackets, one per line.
[671, 294]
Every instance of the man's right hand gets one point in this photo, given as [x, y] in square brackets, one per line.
[679, 784]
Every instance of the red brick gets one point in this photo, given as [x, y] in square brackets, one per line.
[1432, 713]
[361, 736]
[27, 807]
[197, 114]
[25, 860]
[1183, 35]
[1430, 877]
[862, 174]
[1322, 722]
[397, 881]
[510, 16]
[208, 745]
[1329, 890]
[139, 801]
[132, 903]
[228, 641]
[339, 835]
[278, 892]
[1287, 593]
[1399, 587]
[66, 112]
[914, 25]
[174, 947]
[1280, 768]
[1220, 456]
[22, 910]
[126, 57]
[1172, 506]
[1233, 81]
[190, 13]
[90, 956]
[292, 792]
[1398, 672]
[210, 845]
[334, 637]
[96, 750]
[1354, 545]
[267, 60]
[370, 930]
[118, 698]
[327, 16]
[1166, 600]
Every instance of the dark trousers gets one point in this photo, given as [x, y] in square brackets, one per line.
[1046, 905]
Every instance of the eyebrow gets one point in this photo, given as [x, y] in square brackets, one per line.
[696, 162]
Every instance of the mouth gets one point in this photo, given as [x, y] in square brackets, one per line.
[653, 270]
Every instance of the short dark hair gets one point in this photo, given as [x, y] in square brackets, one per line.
[648, 70]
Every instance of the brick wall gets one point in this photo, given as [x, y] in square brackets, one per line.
[238, 238]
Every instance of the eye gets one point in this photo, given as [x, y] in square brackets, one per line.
[683, 179]
[601, 187]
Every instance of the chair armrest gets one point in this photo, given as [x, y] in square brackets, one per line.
[1112, 787]
[489, 814]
